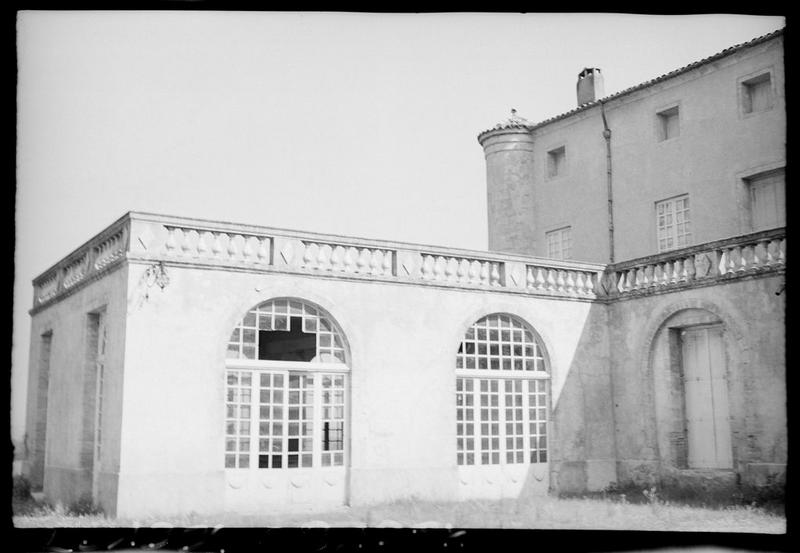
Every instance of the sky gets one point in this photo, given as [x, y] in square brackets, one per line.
[355, 124]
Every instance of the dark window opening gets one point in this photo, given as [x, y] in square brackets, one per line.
[287, 345]
[332, 436]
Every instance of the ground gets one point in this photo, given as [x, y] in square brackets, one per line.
[543, 513]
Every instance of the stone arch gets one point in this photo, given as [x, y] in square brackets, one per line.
[663, 426]
[266, 292]
[503, 309]
[318, 320]
[724, 314]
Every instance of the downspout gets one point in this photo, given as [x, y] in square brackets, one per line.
[609, 192]
[609, 189]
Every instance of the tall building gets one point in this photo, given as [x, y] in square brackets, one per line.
[181, 365]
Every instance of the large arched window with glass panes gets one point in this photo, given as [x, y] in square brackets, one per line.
[285, 389]
[502, 394]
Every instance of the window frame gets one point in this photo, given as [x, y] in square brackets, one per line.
[748, 181]
[551, 157]
[744, 84]
[663, 116]
[317, 370]
[687, 235]
[529, 386]
[560, 230]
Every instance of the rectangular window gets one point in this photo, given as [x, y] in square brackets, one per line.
[767, 200]
[556, 161]
[284, 420]
[559, 243]
[668, 124]
[757, 94]
[673, 224]
[501, 421]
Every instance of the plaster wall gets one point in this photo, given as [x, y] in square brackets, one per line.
[403, 341]
[67, 474]
[718, 146]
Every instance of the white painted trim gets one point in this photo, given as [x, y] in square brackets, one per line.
[504, 374]
[286, 365]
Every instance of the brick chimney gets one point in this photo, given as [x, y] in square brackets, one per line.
[590, 85]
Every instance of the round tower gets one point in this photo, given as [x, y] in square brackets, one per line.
[508, 148]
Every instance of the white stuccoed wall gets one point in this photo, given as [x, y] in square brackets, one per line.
[402, 338]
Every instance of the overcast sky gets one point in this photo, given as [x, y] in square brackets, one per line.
[353, 124]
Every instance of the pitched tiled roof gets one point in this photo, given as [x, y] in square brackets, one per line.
[518, 122]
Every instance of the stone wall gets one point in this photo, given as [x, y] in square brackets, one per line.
[648, 419]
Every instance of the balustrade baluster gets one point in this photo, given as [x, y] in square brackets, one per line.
[232, 250]
[580, 286]
[184, 242]
[484, 273]
[216, 249]
[474, 271]
[202, 248]
[387, 262]
[363, 261]
[570, 282]
[463, 270]
[427, 267]
[324, 258]
[530, 280]
[348, 261]
[689, 268]
[759, 254]
[449, 269]
[551, 279]
[308, 255]
[541, 279]
[170, 244]
[263, 250]
[495, 275]
[376, 257]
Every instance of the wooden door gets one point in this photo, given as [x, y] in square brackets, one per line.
[706, 394]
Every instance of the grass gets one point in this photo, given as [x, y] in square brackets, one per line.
[610, 513]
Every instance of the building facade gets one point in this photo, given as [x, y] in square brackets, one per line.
[182, 365]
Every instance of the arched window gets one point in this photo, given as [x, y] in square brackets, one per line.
[286, 381]
[501, 394]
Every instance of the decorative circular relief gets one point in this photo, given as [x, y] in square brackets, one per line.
[235, 482]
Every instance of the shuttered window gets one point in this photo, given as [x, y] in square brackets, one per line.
[768, 200]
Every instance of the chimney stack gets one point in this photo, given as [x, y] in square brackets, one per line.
[590, 85]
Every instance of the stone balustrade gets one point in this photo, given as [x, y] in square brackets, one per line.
[713, 261]
[102, 251]
[583, 283]
[148, 238]
[460, 270]
[200, 244]
[338, 258]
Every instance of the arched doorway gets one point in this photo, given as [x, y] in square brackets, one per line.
[286, 398]
[502, 409]
[689, 360]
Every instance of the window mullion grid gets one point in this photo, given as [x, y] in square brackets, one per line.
[254, 416]
[284, 420]
[502, 420]
[526, 419]
[316, 421]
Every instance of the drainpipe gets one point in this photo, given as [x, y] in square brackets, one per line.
[607, 137]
